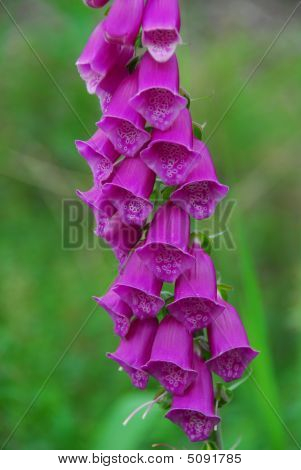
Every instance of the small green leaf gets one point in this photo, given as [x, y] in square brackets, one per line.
[186, 95]
[138, 42]
[107, 11]
[197, 130]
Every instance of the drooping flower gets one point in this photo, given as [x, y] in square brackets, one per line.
[134, 350]
[139, 288]
[95, 3]
[121, 237]
[95, 199]
[196, 304]
[108, 224]
[129, 190]
[158, 98]
[229, 345]
[171, 357]
[201, 191]
[194, 411]
[107, 87]
[100, 156]
[165, 251]
[122, 124]
[118, 310]
[123, 22]
[99, 57]
[170, 154]
[161, 28]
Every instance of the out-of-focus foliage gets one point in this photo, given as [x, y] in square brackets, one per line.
[45, 290]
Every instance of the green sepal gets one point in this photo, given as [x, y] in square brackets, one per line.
[133, 64]
[224, 290]
[204, 241]
[186, 95]
[223, 394]
[138, 42]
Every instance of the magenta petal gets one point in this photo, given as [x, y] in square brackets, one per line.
[196, 304]
[139, 288]
[95, 3]
[201, 191]
[129, 190]
[123, 22]
[194, 411]
[166, 248]
[121, 237]
[107, 87]
[99, 57]
[122, 124]
[171, 358]
[161, 28]
[230, 348]
[100, 156]
[158, 99]
[118, 310]
[134, 350]
[170, 154]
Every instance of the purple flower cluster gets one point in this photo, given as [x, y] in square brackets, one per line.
[146, 135]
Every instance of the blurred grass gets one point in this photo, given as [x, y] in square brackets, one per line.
[45, 291]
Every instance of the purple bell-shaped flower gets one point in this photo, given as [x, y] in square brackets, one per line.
[171, 358]
[100, 156]
[122, 124]
[123, 22]
[196, 304]
[129, 190]
[201, 191]
[229, 345]
[139, 288]
[165, 251]
[158, 99]
[194, 411]
[170, 154]
[161, 28]
[118, 310]
[134, 350]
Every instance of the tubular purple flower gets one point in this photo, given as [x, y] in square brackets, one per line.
[171, 357]
[196, 304]
[95, 199]
[122, 124]
[118, 310]
[123, 22]
[95, 3]
[161, 28]
[194, 411]
[100, 156]
[121, 237]
[134, 350]
[107, 87]
[99, 57]
[230, 348]
[201, 191]
[165, 251]
[139, 288]
[158, 98]
[129, 190]
[170, 154]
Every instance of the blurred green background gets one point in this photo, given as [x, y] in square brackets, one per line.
[46, 291]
